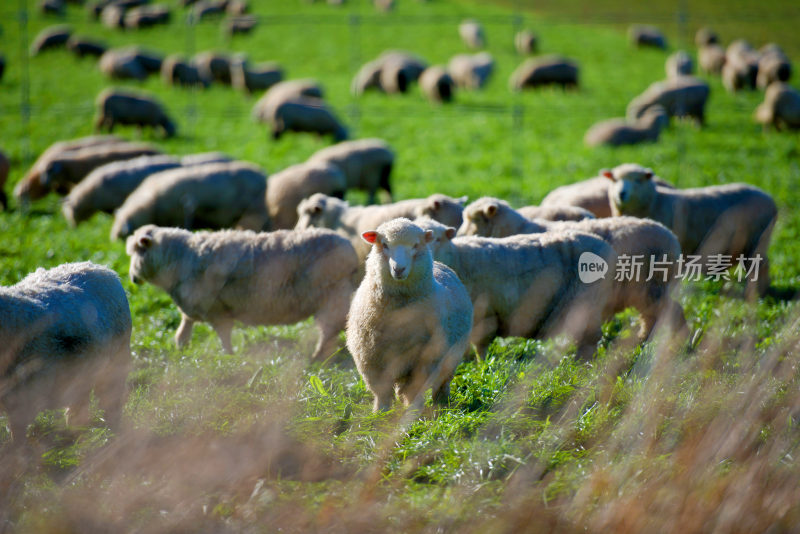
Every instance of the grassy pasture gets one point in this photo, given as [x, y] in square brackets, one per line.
[643, 438]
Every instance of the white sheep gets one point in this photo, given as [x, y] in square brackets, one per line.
[545, 70]
[711, 58]
[526, 42]
[391, 72]
[410, 319]
[306, 114]
[729, 220]
[472, 33]
[264, 108]
[773, 66]
[286, 189]
[266, 278]
[618, 132]
[215, 195]
[684, 96]
[63, 332]
[781, 107]
[436, 84]
[705, 36]
[471, 71]
[366, 164]
[741, 66]
[679, 64]
[555, 213]
[252, 78]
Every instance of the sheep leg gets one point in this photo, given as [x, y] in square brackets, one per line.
[384, 396]
[184, 333]
[330, 319]
[223, 328]
[384, 182]
[441, 395]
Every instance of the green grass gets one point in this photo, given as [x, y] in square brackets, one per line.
[532, 439]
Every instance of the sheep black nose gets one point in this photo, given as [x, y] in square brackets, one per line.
[399, 270]
[623, 195]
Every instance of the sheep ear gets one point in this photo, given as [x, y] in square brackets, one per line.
[316, 210]
[462, 200]
[370, 237]
[607, 173]
[145, 241]
[428, 236]
[435, 205]
[491, 210]
[648, 173]
[450, 232]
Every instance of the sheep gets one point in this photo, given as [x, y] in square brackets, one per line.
[729, 220]
[472, 33]
[117, 106]
[214, 66]
[240, 24]
[237, 8]
[781, 107]
[207, 8]
[711, 58]
[119, 64]
[684, 96]
[436, 84]
[146, 16]
[526, 42]
[545, 70]
[50, 38]
[644, 35]
[96, 8]
[303, 114]
[526, 285]
[175, 70]
[205, 157]
[591, 194]
[106, 187]
[679, 64]
[286, 189]
[52, 7]
[617, 132]
[741, 66]
[367, 77]
[113, 15]
[705, 36]
[651, 242]
[410, 319]
[555, 213]
[268, 278]
[84, 46]
[264, 108]
[254, 78]
[773, 66]
[64, 332]
[366, 164]
[214, 195]
[149, 60]
[399, 70]
[471, 71]
[5, 168]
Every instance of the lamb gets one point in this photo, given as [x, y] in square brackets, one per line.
[366, 164]
[50, 38]
[679, 64]
[303, 114]
[175, 70]
[118, 106]
[591, 194]
[264, 108]
[729, 220]
[64, 332]
[471, 71]
[617, 132]
[705, 36]
[254, 78]
[146, 16]
[526, 285]
[555, 213]
[215, 195]
[684, 96]
[711, 58]
[121, 64]
[268, 278]
[741, 66]
[472, 33]
[286, 189]
[106, 188]
[436, 84]
[5, 168]
[781, 107]
[214, 66]
[773, 66]
[644, 35]
[545, 70]
[84, 46]
[526, 42]
[323, 211]
[410, 319]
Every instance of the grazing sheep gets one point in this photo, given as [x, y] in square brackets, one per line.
[65, 332]
[555, 213]
[410, 319]
[52, 7]
[96, 8]
[241, 24]
[781, 107]
[367, 77]
[591, 194]
[526, 285]
[149, 60]
[214, 66]
[617, 132]
[208, 8]
[684, 96]
[644, 35]
[264, 108]
[305, 114]
[705, 36]
[286, 189]
[545, 70]
[526, 42]
[214, 195]
[679, 64]
[106, 187]
[117, 106]
[472, 33]
[50, 38]
[175, 70]
[119, 64]
[5, 168]
[436, 84]
[146, 16]
[250, 79]
[366, 164]
[471, 71]
[391, 72]
[205, 157]
[773, 66]
[237, 8]
[85, 46]
[711, 58]
[256, 278]
[113, 16]
[732, 219]
[741, 66]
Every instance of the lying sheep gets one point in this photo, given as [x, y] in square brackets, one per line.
[644, 35]
[146, 16]
[5, 168]
[781, 107]
[391, 72]
[303, 114]
[679, 64]
[471, 71]
[85, 46]
[50, 38]
[617, 132]
[410, 319]
[741, 66]
[555, 213]
[214, 195]
[175, 70]
[250, 79]
[65, 333]
[121, 65]
[107, 187]
[256, 278]
[117, 106]
[705, 36]
[526, 42]
[436, 84]
[264, 108]
[472, 33]
[526, 285]
[732, 219]
[286, 189]
[711, 58]
[591, 194]
[773, 66]
[545, 70]
[366, 164]
[349, 221]
[684, 96]
[240, 25]
[214, 66]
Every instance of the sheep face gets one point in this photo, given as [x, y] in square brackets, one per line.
[442, 234]
[633, 189]
[147, 263]
[479, 217]
[402, 248]
[443, 209]
[317, 211]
